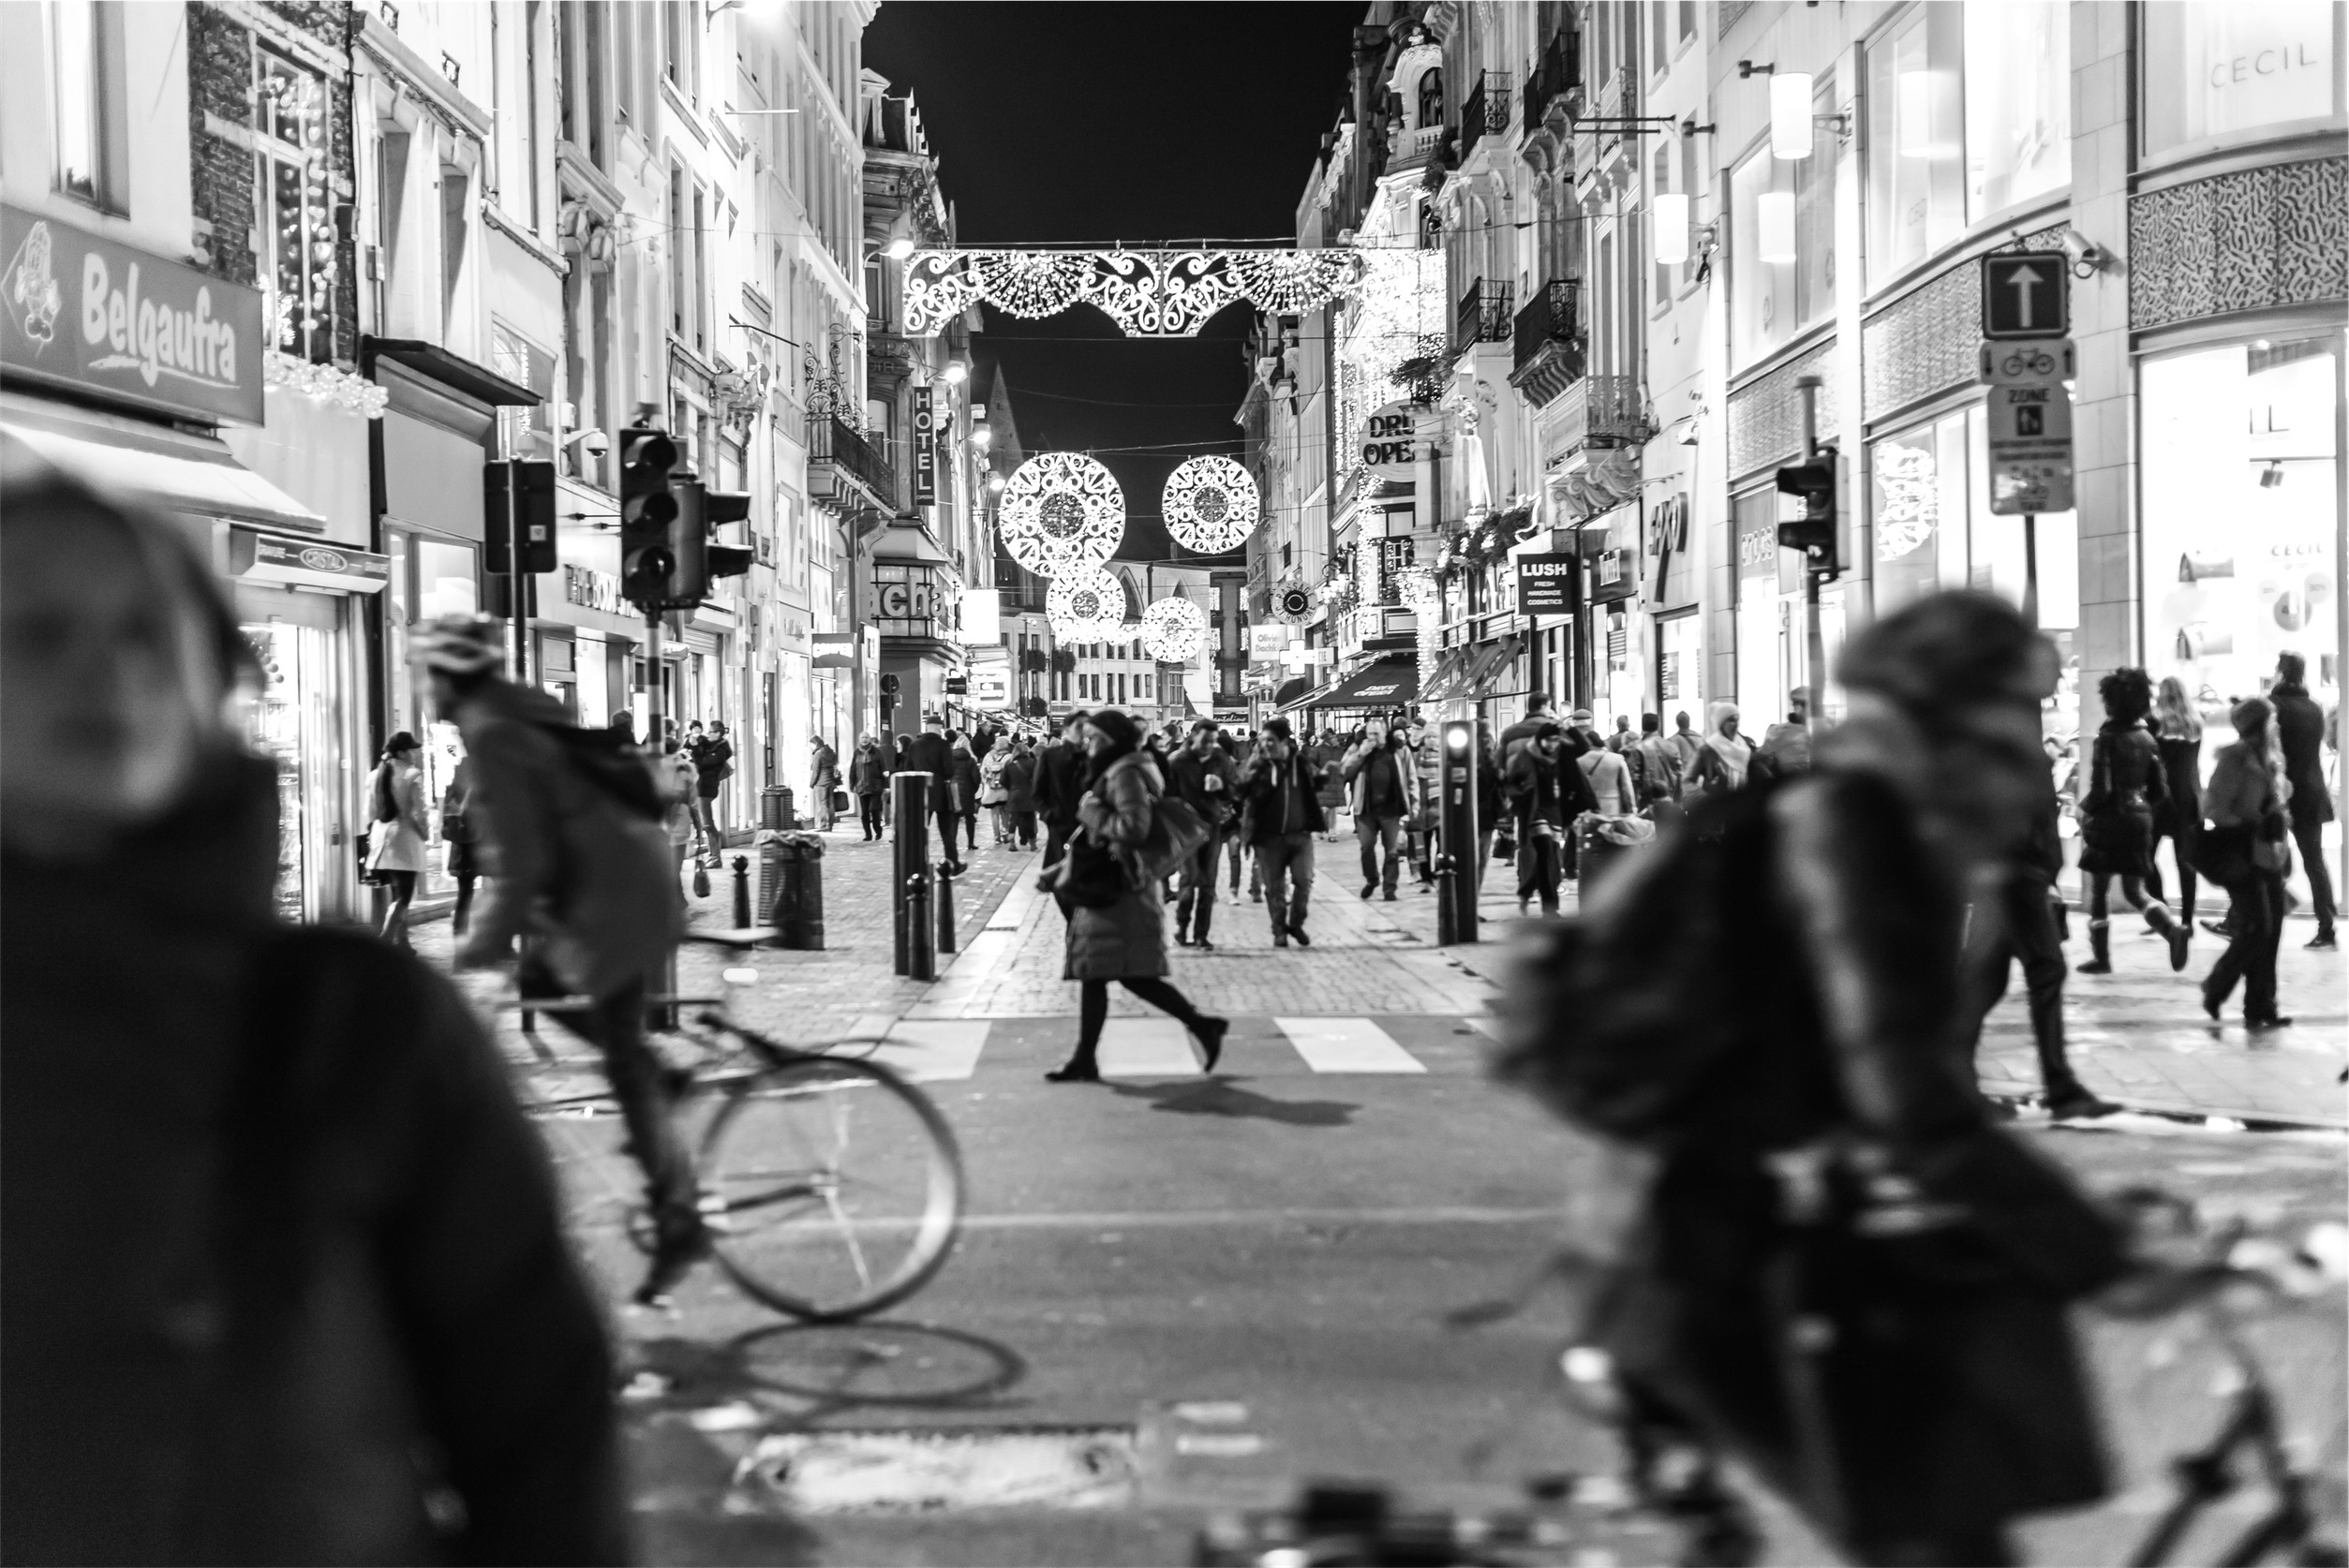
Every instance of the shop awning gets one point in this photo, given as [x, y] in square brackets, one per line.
[1494, 667]
[1448, 683]
[194, 475]
[1291, 690]
[1390, 683]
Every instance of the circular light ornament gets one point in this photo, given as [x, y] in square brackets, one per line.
[1086, 606]
[1210, 504]
[1061, 512]
[1174, 631]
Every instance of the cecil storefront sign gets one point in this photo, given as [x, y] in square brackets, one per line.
[1545, 585]
[86, 314]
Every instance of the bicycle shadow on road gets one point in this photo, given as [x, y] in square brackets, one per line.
[1223, 1097]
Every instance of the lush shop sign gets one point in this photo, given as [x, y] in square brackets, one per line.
[89, 315]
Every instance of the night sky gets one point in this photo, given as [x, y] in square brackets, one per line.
[1097, 122]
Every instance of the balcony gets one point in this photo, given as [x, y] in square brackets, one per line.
[1413, 148]
[1483, 316]
[1549, 341]
[1618, 411]
[1558, 74]
[846, 474]
[1486, 112]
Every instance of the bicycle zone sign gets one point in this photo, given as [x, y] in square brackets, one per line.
[2028, 418]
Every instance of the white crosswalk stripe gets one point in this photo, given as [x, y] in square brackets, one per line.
[1348, 1046]
[1147, 1048]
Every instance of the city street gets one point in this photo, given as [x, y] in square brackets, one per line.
[1286, 1239]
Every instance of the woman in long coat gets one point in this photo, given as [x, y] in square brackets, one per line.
[398, 851]
[2177, 734]
[2246, 796]
[1126, 940]
[2128, 791]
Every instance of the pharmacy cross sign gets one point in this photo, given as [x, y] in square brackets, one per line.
[2025, 293]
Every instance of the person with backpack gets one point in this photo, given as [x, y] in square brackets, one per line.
[1124, 938]
[582, 863]
[397, 853]
[275, 1226]
[1820, 1251]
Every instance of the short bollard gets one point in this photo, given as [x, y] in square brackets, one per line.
[798, 913]
[910, 885]
[741, 892]
[945, 910]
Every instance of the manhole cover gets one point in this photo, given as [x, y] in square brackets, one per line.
[918, 1472]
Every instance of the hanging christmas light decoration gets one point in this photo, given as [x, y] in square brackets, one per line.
[1061, 511]
[1174, 630]
[1210, 504]
[1148, 294]
[1087, 605]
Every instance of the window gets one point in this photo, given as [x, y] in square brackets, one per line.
[92, 142]
[700, 264]
[587, 317]
[1658, 38]
[455, 215]
[524, 432]
[2212, 69]
[1431, 97]
[1968, 116]
[1687, 9]
[1782, 274]
[677, 248]
[1660, 183]
[296, 221]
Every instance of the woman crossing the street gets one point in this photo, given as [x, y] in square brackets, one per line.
[2128, 791]
[2177, 733]
[1124, 940]
[2249, 831]
[398, 792]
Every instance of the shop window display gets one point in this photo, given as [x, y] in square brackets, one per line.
[292, 719]
[2240, 506]
[2217, 66]
[1970, 114]
[430, 578]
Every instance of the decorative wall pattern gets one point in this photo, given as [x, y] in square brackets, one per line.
[1927, 341]
[2251, 239]
[1765, 417]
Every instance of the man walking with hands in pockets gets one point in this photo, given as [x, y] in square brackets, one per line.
[1281, 810]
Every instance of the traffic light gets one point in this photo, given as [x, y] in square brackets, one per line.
[647, 510]
[695, 560]
[1814, 533]
[531, 484]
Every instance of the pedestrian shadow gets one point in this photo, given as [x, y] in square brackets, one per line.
[1221, 1097]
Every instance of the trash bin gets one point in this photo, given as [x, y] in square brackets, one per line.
[795, 904]
[775, 809]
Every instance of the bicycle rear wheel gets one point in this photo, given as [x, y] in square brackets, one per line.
[832, 1187]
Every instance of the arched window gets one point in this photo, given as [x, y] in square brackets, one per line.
[1431, 97]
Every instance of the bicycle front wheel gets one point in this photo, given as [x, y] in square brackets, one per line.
[832, 1187]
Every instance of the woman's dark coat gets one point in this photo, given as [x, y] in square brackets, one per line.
[1958, 1401]
[1128, 939]
[1020, 783]
[2128, 789]
[275, 1227]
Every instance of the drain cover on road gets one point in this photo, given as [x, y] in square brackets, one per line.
[931, 1471]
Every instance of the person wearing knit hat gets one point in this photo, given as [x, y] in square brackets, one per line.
[1125, 940]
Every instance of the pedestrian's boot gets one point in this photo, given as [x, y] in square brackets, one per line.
[1082, 1068]
[2099, 948]
[1200, 920]
[1182, 926]
[2172, 930]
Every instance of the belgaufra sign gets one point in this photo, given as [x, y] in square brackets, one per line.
[85, 312]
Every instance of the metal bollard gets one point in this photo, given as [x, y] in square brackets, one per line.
[910, 885]
[798, 913]
[945, 910]
[741, 892]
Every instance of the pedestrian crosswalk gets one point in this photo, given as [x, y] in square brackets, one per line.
[953, 1049]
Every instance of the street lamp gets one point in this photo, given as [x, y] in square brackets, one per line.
[955, 373]
[898, 249]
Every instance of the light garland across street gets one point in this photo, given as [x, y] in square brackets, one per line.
[1148, 294]
[1061, 512]
[1210, 504]
[1174, 630]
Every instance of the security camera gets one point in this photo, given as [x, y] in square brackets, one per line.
[2086, 256]
[595, 443]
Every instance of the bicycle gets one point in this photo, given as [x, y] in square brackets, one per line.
[793, 1223]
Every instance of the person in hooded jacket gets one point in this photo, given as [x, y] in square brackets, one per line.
[1548, 791]
[868, 780]
[1124, 940]
[1722, 759]
[274, 1225]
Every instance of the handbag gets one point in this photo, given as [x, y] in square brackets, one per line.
[1088, 875]
[839, 800]
[1177, 833]
[2223, 854]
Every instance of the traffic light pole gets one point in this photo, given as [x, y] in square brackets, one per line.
[663, 1016]
[2030, 569]
[1814, 639]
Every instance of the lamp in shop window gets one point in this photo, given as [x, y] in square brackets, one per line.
[2271, 475]
[1672, 228]
[1790, 114]
[1773, 226]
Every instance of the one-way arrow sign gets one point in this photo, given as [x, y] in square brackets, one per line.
[2026, 293]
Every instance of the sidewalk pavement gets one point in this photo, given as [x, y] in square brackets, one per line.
[2138, 1036]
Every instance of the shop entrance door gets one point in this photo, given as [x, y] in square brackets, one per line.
[297, 720]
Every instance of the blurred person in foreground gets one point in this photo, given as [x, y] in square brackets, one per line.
[285, 1280]
[581, 864]
[1819, 1252]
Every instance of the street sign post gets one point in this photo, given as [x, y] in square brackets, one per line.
[2026, 293]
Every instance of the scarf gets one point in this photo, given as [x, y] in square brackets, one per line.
[1734, 753]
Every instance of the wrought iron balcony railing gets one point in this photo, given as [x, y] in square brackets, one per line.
[1483, 316]
[1552, 315]
[1486, 112]
[829, 440]
[1618, 411]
